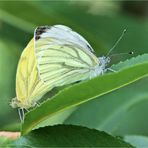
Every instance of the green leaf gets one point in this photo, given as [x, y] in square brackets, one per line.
[138, 141]
[69, 136]
[100, 31]
[8, 61]
[24, 21]
[130, 62]
[133, 119]
[4, 141]
[68, 98]
[13, 20]
[58, 118]
[121, 112]
[117, 112]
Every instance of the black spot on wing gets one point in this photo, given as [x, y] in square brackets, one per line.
[40, 30]
[88, 46]
[37, 37]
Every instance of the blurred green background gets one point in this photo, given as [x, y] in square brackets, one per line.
[101, 22]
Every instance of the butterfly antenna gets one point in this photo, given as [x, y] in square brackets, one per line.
[116, 54]
[116, 43]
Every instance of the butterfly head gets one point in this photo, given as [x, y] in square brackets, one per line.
[104, 61]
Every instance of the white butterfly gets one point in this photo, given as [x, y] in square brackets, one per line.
[56, 56]
[64, 56]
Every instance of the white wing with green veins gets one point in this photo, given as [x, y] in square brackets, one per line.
[63, 56]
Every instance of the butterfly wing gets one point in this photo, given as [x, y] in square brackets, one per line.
[63, 56]
[29, 87]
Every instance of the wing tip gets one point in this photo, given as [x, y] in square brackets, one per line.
[40, 30]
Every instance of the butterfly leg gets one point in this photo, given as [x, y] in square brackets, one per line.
[27, 110]
[37, 104]
[112, 70]
[21, 114]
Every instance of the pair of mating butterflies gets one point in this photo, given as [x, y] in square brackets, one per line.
[56, 56]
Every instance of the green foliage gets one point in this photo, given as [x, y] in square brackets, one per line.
[115, 103]
[4, 141]
[68, 98]
[120, 112]
[137, 141]
[128, 63]
[8, 57]
[68, 136]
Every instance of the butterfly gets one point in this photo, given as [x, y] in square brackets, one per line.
[56, 56]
